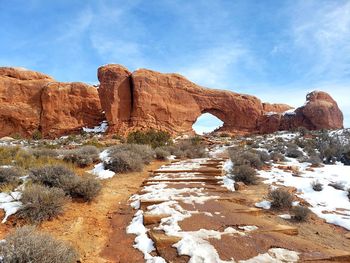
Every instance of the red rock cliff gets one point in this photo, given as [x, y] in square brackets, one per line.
[147, 99]
[33, 101]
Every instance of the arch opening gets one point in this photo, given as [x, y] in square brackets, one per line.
[206, 123]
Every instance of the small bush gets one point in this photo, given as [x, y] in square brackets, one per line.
[63, 178]
[294, 153]
[277, 157]
[264, 156]
[317, 186]
[315, 160]
[37, 135]
[348, 193]
[280, 199]
[9, 175]
[251, 158]
[189, 148]
[122, 162]
[83, 156]
[38, 153]
[87, 188]
[41, 203]
[161, 153]
[300, 213]
[245, 174]
[26, 244]
[151, 137]
[337, 186]
[145, 152]
[55, 176]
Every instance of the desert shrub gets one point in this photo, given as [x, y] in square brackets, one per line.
[294, 153]
[41, 203]
[280, 199]
[300, 213]
[150, 137]
[83, 156]
[37, 135]
[7, 154]
[54, 176]
[44, 152]
[345, 158]
[245, 173]
[241, 157]
[303, 131]
[161, 153]
[122, 162]
[317, 186]
[9, 175]
[263, 155]
[189, 148]
[145, 152]
[61, 177]
[315, 160]
[26, 244]
[337, 185]
[348, 193]
[87, 188]
[277, 157]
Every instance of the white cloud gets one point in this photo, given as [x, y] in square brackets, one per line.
[216, 67]
[322, 30]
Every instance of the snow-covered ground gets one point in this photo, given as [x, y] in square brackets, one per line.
[330, 204]
[99, 169]
[194, 244]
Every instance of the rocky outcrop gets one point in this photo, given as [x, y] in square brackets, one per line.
[147, 99]
[67, 107]
[31, 101]
[115, 95]
[320, 111]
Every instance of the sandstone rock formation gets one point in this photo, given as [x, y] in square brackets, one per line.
[147, 99]
[320, 111]
[31, 101]
[144, 99]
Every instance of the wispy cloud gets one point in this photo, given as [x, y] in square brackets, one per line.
[214, 67]
[321, 30]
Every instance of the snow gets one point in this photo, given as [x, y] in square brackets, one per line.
[99, 169]
[330, 204]
[10, 203]
[97, 129]
[274, 255]
[264, 204]
[270, 113]
[285, 216]
[100, 172]
[227, 180]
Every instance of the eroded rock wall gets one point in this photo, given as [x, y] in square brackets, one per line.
[148, 99]
[31, 101]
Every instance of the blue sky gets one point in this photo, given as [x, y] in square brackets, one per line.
[277, 50]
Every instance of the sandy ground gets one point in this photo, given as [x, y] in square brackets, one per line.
[90, 226]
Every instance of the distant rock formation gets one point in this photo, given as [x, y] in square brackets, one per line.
[320, 111]
[147, 99]
[31, 101]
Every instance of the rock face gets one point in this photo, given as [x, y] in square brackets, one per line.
[319, 112]
[147, 99]
[31, 101]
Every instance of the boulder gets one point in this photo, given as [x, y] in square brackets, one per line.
[320, 111]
